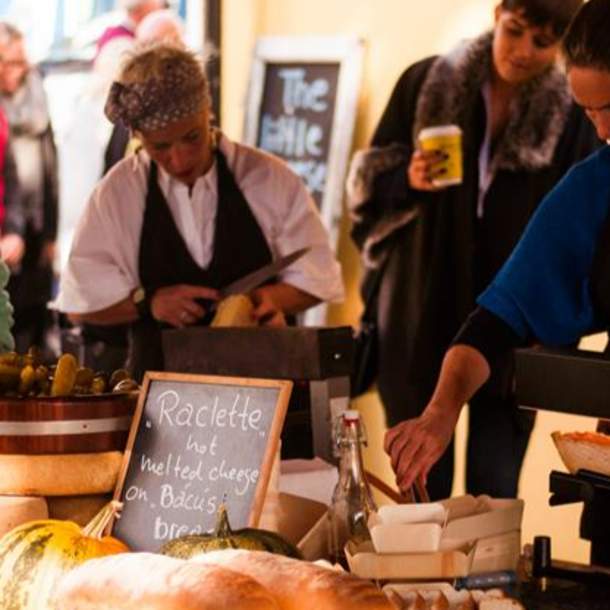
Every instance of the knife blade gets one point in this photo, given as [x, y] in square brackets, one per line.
[252, 280]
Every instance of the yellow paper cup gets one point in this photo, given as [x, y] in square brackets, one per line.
[448, 139]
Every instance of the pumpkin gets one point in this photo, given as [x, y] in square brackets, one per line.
[223, 537]
[35, 555]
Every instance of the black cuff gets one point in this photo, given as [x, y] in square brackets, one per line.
[488, 334]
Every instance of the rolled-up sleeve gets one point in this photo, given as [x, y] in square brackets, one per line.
[318, 272]
[101, 268]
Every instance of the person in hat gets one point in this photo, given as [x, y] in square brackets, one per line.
[188, 214]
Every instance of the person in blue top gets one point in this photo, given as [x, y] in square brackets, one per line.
[555, 286]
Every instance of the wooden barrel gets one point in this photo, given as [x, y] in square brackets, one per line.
[61, 425]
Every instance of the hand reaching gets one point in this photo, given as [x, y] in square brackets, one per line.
[415, 445]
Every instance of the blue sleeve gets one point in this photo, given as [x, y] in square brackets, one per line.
[543, 290]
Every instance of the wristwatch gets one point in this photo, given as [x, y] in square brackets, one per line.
[142, 303]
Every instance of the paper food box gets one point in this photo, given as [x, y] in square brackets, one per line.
[449, 539]
[301, 521]
[365, 562]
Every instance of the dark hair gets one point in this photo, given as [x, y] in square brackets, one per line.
[586, 43]
[556, 13]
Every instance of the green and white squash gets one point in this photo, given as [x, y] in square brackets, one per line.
[35, 555]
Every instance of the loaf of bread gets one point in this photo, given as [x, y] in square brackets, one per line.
[299, 585]
[584, 451]
[144, 581]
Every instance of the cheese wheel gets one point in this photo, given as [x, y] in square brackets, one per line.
[79, 509]
[584, 451]
[15, 510]
[59, 475]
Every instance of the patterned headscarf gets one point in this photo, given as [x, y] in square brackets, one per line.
[178, 92]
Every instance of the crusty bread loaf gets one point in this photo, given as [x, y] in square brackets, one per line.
[299, 585]
[584, 450]
[144, 581]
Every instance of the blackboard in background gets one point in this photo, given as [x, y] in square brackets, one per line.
[302, 102]
[194, 441]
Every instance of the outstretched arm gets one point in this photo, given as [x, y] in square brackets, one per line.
[416, 445]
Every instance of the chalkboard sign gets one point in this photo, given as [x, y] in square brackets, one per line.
[296, 118]
[302, 106]
[196, 441]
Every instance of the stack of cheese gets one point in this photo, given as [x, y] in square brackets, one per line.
[230, 579]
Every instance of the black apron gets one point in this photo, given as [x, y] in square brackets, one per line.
[164, 259]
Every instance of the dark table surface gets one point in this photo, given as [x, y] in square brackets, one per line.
[563, 595]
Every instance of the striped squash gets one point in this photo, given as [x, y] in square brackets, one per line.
[35, 555]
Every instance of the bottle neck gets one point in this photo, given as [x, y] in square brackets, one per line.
[352, 464]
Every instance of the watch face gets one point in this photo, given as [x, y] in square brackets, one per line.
[139, 295]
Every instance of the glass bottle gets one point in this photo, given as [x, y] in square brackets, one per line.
[352, 501]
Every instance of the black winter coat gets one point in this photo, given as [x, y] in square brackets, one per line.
[443, 255]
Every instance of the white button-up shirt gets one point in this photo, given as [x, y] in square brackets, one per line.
[102, 268]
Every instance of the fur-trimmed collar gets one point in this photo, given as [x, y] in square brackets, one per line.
[537, 117]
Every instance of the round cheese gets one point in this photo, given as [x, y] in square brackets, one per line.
[59, 475]
[15, 510]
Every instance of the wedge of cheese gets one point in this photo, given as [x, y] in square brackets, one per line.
[235, 310]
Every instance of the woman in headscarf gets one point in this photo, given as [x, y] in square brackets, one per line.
[187, 215]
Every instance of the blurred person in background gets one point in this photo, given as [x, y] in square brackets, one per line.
[161, 26]
[106, 347]
[23, 99]
[440, 246]
[118, 38]
[12, 225]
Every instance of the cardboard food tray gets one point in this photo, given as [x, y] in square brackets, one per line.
[302, 522]
[502, 516]
[364, 562]
[497, 553]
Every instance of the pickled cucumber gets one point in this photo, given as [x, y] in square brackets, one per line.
[65, 376]
[27, 379]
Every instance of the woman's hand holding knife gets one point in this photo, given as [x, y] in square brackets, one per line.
[178, 305]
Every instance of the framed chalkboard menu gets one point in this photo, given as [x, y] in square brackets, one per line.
[302, 104]
[197, 441]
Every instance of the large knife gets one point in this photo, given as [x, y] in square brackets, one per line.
[253, 280]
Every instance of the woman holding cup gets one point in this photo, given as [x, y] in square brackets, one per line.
[440, 237]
